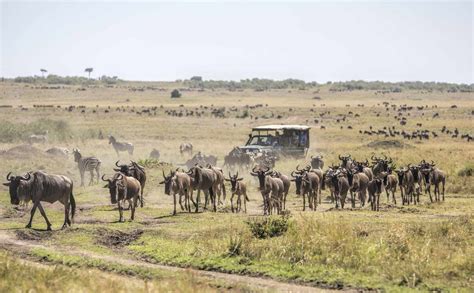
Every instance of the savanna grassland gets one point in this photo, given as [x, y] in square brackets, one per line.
[417, 247]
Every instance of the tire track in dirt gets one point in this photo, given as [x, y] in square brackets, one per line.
[9, 242]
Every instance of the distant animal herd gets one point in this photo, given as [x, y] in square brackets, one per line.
[351, 181]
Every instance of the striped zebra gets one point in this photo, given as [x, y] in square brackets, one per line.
[121, 146]
[87, 164]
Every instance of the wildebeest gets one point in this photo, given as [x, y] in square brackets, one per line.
[341, 185]
[240, 189]
[358, 183]
[201, 159]
[407, 185]
[317, 162]
[122, 188]
[390, 184]
[238, 159]
[375, 188]
[434, 176]
[307, 184]
[286, 185]
[346, 161]
[269, 187]
[220, 190]
[87, 164]
[39, 186]
[206, 180]
[155, 154]
[179, 183]
[186, 148]
[137, 172]
[121, 146]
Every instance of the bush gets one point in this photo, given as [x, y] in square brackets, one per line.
[269, 226]
[175, 94]
[466, 171]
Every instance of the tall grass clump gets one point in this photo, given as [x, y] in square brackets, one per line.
[268, 227]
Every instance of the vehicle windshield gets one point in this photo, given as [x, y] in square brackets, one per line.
[261, 140]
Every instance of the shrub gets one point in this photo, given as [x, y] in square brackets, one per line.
[466, 171]
[175, 94]
[269, 226]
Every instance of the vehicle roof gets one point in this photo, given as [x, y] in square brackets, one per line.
[280, 127]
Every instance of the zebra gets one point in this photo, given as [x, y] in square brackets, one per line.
[121, 146]
[87, 164]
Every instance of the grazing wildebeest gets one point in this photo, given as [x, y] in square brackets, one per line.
[375, 188]
[121, 188]
[179, 183]
[87, 164]
[206, 180]
[286, 185]
[186, 147]
[269, 187]
[200, 159]
[137, 172]
[155, 154]
[240, 189]
[434, 176]
[39, 186]
[317, 162]
[121, 146]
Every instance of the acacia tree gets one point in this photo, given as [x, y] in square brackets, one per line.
[43, 71]
[89, 70]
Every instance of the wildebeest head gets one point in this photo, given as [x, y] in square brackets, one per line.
[401, 176]
[260, 174]
[415, 171]
[111, 139]
[13, 184]
[297, 178]
[233, 180]
[77, 155]
[125, 169]
[167, 180]
[317, 162]
[345, 161]
[115, 184]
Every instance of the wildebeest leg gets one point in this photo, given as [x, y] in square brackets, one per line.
[245, 202]
[32, 213]
[134, 205]
[174, 203]
[304, 200]
[343, 200]
[120, 210]
[197, 200]
[66, 216]
[443, 182]
[40, 207]
[180, 201]
[393, 195]
[213, 198]
[232, 202]
[97, 171]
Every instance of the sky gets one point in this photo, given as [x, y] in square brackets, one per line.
[313, 41]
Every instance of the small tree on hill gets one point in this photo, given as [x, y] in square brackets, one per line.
[43, 71]
[175, 94]
[89, 70]
[196, 78]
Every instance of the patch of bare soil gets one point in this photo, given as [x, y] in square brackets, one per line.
[387, 144]
[116, 238]
[33, 235]
[22, 151]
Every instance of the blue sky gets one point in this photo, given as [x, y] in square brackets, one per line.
[318, 41]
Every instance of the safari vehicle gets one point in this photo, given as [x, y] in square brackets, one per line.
[287, 140]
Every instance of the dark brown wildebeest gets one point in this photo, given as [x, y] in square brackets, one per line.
[220, 183]
[286, 185]
[39, 186]
[155, 154]
[341, 185]
[407, 185]
[179, 183]
[358, 183]
[390, 183]
[317, 162]
[307, 184]
[137, 172]
[240, 189]
[434, 176]
[375, 188]
[346, 161]
[123, 188]
[206, 180]
[269, 187]
[121, 146]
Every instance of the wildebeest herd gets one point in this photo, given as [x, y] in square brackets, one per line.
[364, 181]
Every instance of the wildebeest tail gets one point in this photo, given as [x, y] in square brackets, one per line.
[72, 202]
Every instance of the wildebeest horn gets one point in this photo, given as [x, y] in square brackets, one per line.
[297, 167]
[340, 158]
[389, 160]
[237, 175]
[432, 163]
[164, 176]
[105, 179]
[321, 157]
[8, 176]
[308, 167]
[384, 157]
[120, 177]
[292, 174]
[312, 156]
[230, 176]
[116, 163]
[267, 169]
[24, 178]
[253, 169]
